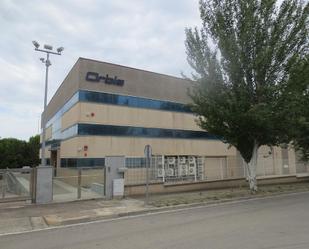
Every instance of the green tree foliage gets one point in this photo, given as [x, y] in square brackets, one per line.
[295, 100]
[33, 150]
[16, 153]
[242, 56]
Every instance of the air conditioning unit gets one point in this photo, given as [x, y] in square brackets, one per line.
[192, 159]
[183, 170]
[171, 160]
[182, 160]
[170, 172]
[159, 160]
[192, 170]
[160, 171]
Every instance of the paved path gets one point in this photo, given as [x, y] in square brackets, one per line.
[22, 217]
[279, 222]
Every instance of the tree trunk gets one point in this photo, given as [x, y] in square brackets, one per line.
[251, 169]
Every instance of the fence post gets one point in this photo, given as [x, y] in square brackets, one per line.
[163, 168]
[147, 153]
[147, 181]
[221, 168]
[44, 184]
[79, 184]
[104, 183]
[3, 183]
[195, 171]
[33, 184]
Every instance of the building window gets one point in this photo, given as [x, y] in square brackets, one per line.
[82, 162]
[113, 130]
[139, 102]
[135, 162]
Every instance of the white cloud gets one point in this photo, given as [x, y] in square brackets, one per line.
[138, 33]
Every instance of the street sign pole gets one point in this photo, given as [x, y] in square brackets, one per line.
[147, 153]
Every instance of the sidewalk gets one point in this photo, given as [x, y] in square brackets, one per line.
[21, 216]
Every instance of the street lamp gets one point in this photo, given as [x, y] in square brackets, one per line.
[48, 49]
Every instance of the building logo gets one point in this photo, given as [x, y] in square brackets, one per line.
[95, 77]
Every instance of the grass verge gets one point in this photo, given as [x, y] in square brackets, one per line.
[223, 194]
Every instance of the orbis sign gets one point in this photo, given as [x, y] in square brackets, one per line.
[95, 77]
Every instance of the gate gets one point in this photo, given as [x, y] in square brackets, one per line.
[78, 183]
[16, 184]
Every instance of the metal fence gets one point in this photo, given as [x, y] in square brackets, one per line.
[222, 168]
[16, 184]
[78, 183]
[182, 169]
[302, 167]
[168, 169]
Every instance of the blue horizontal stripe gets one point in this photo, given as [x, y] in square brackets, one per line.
[82, 162]
[131, 162]
[139, 102]
[129, 131]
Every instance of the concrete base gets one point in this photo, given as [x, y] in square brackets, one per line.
[44, 185]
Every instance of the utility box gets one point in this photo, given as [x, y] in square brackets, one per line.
[114, 170]
[118, 187]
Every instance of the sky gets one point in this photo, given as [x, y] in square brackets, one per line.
[146, 34]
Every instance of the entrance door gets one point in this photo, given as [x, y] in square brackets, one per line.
[53, 158]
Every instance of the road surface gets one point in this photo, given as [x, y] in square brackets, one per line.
[279, 222]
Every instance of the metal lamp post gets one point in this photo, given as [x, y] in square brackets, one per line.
[48, 49]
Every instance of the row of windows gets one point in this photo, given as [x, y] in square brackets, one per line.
[82, 162]
[139, 102]
[130, 162]
[135, 162]
[113, 130]
[127, 131]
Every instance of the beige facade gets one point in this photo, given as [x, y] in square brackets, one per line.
[133, 110]
[119, 115]
[134, 147]
[137, 82]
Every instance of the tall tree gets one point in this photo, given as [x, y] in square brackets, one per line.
[12, 153]
[241, 57]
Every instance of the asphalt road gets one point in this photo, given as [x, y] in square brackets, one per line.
[280, 222]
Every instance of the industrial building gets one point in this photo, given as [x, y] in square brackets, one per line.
[103, 109]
